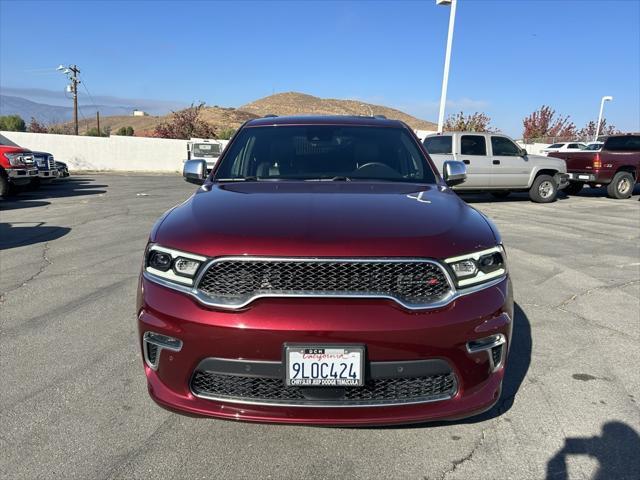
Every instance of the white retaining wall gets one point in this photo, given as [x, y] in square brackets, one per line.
[132, 154]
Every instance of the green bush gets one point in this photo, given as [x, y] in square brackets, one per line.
[125, 131]
[12, 123]
[93, 132]
[226, 133]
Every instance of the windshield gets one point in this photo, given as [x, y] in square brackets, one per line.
[206, 150]
[325, 152]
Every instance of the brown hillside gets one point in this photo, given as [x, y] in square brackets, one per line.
[293, 103]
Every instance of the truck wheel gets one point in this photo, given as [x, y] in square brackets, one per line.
[621, 186]
[501, 194]
[7, 189]
[573, 188]
[543, 190]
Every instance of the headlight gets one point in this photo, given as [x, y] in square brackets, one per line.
[19, 159]
[173, 265]
[478, 267]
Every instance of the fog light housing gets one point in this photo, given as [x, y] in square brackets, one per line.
[153, 344]
[494, 345]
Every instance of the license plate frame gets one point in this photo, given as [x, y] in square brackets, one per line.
[355, 356]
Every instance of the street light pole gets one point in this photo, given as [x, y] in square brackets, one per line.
[447, 60]
[607, 98]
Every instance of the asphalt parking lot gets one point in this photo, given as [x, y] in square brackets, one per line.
[73, 401]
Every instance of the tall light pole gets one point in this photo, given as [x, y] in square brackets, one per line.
[447, 59]
[72, 72]
[608, 98]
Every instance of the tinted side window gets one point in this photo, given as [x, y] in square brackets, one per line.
[473, 145]
[574, 145]
[623, 144]
[504, 146]
[435, 145]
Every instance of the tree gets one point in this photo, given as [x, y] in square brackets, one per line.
[12, 123]
[94, 132]
[125, 131]
[186, 124]
[226, 133]
[36, 127]
[545, 123]
[476, 122]
[589, 130]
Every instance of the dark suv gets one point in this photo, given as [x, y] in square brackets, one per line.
[325, 273]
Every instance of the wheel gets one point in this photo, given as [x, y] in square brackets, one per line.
[621, 186]
[7, 189]
[573, 188]
[501, 194]
[543, 190]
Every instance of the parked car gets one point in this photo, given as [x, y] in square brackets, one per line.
[325, 273]
[17, 169]
[62, 169]
[497, 165]
[206, 149]
[47, 170]
[564, 147]
[616, 165]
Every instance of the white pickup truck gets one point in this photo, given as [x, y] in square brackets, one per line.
[208, 150]
[495, 164]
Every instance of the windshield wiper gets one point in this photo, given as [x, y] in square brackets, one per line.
[337, 178]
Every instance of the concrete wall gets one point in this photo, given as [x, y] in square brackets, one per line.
[133, 154]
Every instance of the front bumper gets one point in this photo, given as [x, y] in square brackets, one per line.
[562, 179]
[22, 176]
[392, 336]
[48, 174]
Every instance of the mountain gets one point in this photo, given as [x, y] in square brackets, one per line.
[291, 103]
[48, 114]
[294, 103]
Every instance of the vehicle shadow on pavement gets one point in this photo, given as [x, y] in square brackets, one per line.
[488, 198]
[617, 451]
[601, 192]
[18, 204]
[20, 234]
[70, 187]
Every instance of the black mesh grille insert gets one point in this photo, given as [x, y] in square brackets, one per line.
[496, 353]
[273, 390]
[152, 353]
[412, 282]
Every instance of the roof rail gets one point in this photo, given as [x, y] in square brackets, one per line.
[381, 117]
[270, 115]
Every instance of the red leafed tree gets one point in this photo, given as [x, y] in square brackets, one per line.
[545, 123]
[185, 124]
[589, 130]
[476, 122]
[36, 127]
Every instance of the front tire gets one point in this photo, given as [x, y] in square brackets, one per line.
[573, 188]
[7, 189]
[621, 186]
[543, 190]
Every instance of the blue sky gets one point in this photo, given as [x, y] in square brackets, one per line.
[509, 57]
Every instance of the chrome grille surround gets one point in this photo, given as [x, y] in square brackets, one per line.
[234, 282]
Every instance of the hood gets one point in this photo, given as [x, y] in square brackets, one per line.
[345, 219]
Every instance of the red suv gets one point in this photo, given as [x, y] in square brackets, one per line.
[324, 273]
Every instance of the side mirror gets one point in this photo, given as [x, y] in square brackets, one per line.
[454, 172]
[523, 152]
[195, 171]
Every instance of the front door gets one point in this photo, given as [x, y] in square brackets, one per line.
[510, 168]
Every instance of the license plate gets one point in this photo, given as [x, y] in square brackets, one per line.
[324, 366]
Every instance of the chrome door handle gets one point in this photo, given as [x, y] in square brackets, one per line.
[496, 162]
[466, 162]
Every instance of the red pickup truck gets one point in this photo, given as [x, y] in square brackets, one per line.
[616, 166]
[17, 168]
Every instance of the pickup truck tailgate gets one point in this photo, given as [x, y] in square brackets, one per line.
[576, 161]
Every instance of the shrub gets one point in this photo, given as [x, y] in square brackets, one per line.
[12, 123]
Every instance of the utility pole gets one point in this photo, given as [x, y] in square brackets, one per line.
[98, 121]
[72, 73]
[447, 60]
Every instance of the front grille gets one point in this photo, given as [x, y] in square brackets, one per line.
[237, 281]
[273, 390]
[51, 162]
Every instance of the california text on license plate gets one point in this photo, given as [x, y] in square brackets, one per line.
[324, 366]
